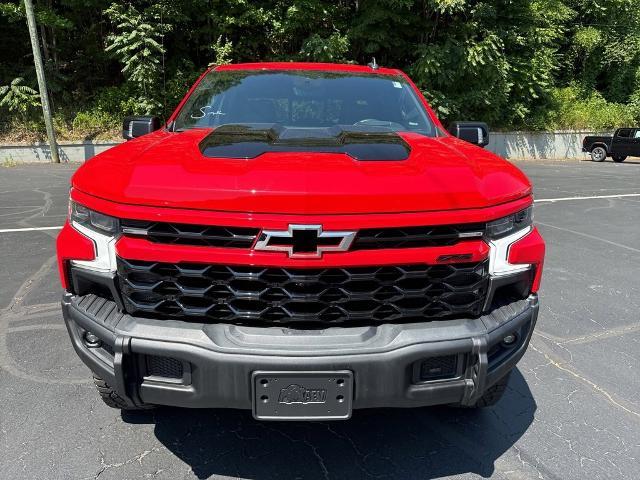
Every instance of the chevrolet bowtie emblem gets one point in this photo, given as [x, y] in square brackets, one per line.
[304, 241]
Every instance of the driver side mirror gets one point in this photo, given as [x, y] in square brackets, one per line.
[472, 132]
[133, 127]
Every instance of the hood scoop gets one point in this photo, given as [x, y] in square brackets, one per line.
[248, 141]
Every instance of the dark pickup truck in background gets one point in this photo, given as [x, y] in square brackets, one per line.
[624, 143]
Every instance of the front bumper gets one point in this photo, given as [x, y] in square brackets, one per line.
[167, 362]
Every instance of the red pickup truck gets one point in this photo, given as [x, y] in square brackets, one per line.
[300, 240]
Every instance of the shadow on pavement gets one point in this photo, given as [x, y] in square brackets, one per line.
[382, 443]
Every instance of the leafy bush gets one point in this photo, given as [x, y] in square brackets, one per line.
[114, 100]
[89, 124]
[572, 108]
[17, 97]
[331, 49]
[103, 116]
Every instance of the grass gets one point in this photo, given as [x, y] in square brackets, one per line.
[9, 162]
[25, 132]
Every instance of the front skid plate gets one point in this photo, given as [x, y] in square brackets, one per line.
[324, 395]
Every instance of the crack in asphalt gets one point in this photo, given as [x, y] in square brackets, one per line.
[136, 458]
[304, 441]
[609, 333]
[560, 366]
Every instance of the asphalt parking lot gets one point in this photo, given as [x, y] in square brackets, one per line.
[572, 410]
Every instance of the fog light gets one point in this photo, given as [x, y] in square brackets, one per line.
[91, 340]
[510, 339]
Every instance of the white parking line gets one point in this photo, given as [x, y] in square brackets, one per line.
[591, 237]
[33, 229]
[565, 199]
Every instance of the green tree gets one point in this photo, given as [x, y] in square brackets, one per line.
[602, 49]
[513, 63]
[491, 60]
[137, 44]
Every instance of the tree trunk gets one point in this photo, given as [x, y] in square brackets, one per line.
[45, 45]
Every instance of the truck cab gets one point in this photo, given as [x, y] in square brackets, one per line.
[624, 143]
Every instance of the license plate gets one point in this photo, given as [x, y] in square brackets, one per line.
[302, 395]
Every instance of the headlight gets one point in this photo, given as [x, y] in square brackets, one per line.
[503, 233]
[91, 219]
[100, 228]
[510, 224]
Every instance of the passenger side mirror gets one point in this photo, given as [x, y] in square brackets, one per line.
[472, 132]
[133, 127]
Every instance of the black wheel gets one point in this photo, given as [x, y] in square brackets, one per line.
[111, 398]
[598, 154]
[619, 158]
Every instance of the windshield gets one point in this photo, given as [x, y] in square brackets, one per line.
[304, 99]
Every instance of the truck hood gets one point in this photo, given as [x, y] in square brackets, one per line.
[166, 169]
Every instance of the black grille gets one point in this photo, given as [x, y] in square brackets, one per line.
[243, 237]
[186, 234]
[284, 295]
[407, 237]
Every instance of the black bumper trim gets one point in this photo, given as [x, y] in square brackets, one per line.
[222, 357]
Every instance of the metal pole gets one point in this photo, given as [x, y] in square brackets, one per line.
[42, 82]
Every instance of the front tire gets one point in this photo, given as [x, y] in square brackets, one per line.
[619, 158]
[111, 398]
[598, 154]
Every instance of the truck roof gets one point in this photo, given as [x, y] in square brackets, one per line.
[312, 66]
